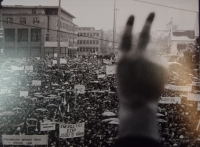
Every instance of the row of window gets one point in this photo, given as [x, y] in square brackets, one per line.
[88, 34]
[86, 49]
[22, 35]
[23, 20]
[66, 26]
[88, 41]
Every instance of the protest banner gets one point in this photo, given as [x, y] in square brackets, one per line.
[71, 130]
[36, 82]
[170, 100]
[63, 61]
[25, 140]
[193, 97]
[110, 69]
[80, 89]
[178, 88]
[5, 91]
[101, 76]
[48, 126]
[28, 68]
[105, 61]
[198, 106]
[23, 93]
[14, 68]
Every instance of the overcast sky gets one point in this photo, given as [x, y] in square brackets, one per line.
[99, 13]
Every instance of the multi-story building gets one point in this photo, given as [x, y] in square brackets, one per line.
[89, 40]
[32, 31]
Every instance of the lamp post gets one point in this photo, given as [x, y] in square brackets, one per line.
[58, 48]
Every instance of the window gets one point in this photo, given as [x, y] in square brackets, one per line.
[35, 35]
[36, 20]
[84, 34]
[83, 49]
[93, 41]
[97, 41]
[9, 35]
[33, 11]
[80, 42]
[22, 35]
[80, 34]
[87, 34]
[83, 41]
[90, 41]
[22, 20]
[97, 34]
[9, 20]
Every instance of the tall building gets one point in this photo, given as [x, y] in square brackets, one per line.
[32, 31]
[89, 40]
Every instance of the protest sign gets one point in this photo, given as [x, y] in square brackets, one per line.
[198, 106]
[23, 93]
[71, 130]
[110, 69]
[193, 97]
[105, 61]
[170, 100]
[101, 76]
[17, 68]
[54, 61]
[25, 140]
[29, 68]
[5, 91]
[80, 89]
[178, 88]
[48, 126]
[63, 61]
[36, 82]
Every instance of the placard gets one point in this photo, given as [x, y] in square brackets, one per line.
[25, 140]
[193, 97]
[170, 100]
[110, 69]
[178, 88]
[48, 126]
[23, 93]
[80, 89]
[71, 130]
[63, 61]
[5, 91]
[101, 76]
[14, 68]
[198, 106]
[36, 82]
[29, 68]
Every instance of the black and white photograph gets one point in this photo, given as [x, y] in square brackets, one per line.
[99, 73]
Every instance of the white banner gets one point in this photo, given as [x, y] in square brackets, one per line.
[178, 88]
[193, 97]
[36, 82]
[25, 140]
[17, 68]
[80, 89]
[23, 93]
[101, 76]
[48, 126]
[105, 61]
[5, 91]
[170, 100]
[63, 61]
[71, 130]
[29, 68]
[198, 106]
[110, 69]
[54, 61]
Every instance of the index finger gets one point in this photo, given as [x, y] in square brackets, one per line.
[145, 34]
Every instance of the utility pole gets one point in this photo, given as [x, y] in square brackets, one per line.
[114, 28]
[58, 48]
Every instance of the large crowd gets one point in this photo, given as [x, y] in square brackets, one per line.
[57, 101]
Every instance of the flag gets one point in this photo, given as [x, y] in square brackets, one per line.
[68, 108]
[198, 126]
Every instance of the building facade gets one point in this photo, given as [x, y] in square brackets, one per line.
[31, 31]
[89, 40]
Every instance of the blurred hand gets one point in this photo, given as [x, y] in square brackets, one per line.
[140, 80]
[140, 84]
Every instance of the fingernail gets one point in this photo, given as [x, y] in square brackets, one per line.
[151, 17]
[130, 20]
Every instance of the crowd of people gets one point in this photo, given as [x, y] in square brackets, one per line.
[55, 100]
